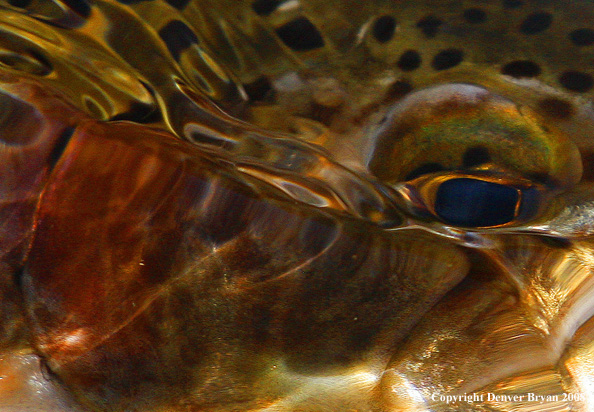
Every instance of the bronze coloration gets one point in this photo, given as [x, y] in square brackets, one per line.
[296, 205]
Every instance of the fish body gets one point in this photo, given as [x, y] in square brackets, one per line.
[296, 205]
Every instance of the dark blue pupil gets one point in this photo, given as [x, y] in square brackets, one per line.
[473, 202]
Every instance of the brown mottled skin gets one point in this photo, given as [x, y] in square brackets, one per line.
[224, 206]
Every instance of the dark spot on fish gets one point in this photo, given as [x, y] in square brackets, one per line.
[475, 16]
[512, 4]
[60, 145]
[178, 4]
[536, 23]
[555, 242]
[582, 37]
[476, 156]
[521, 68]
[80, 7]
[430, 26]
[19, 3]
[177, 37]
[425, 169]
[409, 61]
[556, 108]
[300, 35]
[383, 28]
[259, 89]
[398, 90]
[265, 7]
[447, 59]
[576, 81]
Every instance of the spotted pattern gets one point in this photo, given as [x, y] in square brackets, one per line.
[327, 72]
[398, 90]
[265, 7]
[536, 23]
[178, 37]
[259, 89]
[442, 36]
[476, 156]
[577, 81]
[521, 68]
[418, 44]
[383, 28]
[447, 59]
[82, 7]
[582, 37]
[409, 61]
[430, 26]
[19, 3]
[23, 56]
[300, 35]
[556, 108]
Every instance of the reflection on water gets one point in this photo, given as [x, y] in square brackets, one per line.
[298, 205]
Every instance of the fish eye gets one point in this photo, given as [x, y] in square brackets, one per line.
[480, 199]
[471, 158]
[476, 203]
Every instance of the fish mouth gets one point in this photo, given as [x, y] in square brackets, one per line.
[526, 294]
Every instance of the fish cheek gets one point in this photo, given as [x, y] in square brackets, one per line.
[348, 318]
[136, 295]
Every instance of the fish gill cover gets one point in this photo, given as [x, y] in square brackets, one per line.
[296, 206]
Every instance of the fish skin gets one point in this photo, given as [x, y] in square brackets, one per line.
[326, 289]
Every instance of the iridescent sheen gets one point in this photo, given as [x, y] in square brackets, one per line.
[296, 205]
